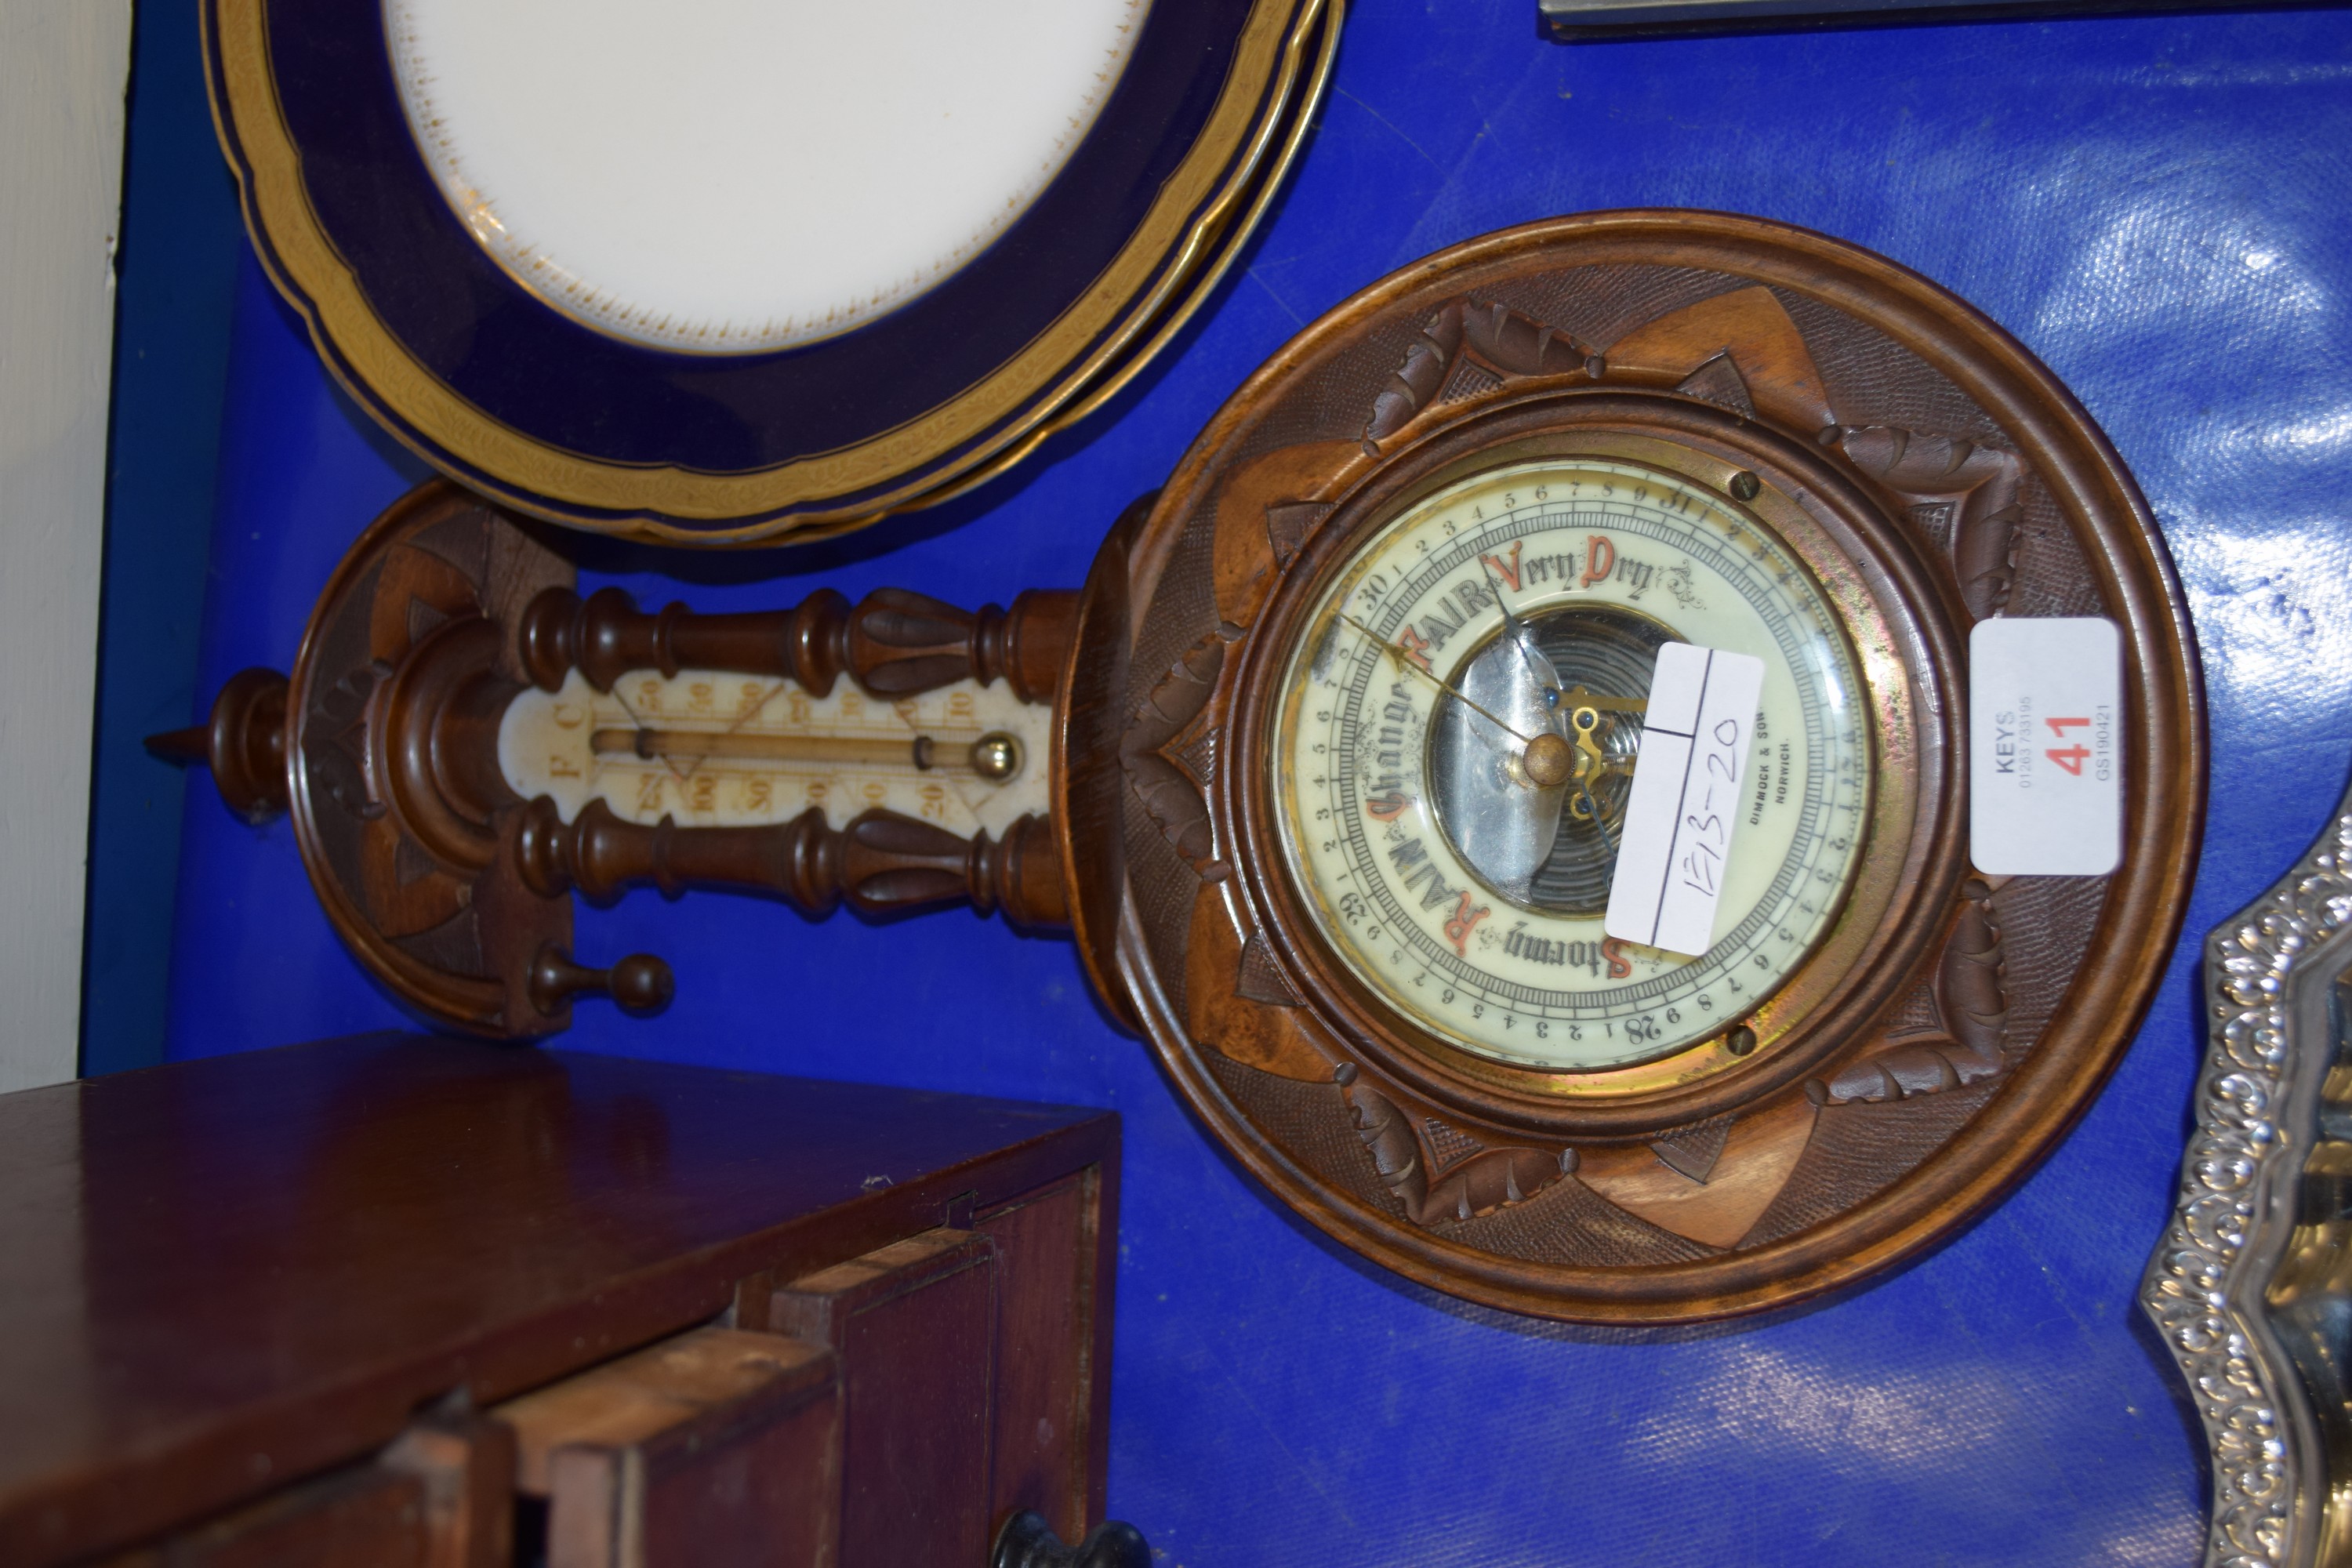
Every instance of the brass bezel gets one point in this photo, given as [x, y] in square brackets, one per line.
[1772, 1016]
[1846, 545]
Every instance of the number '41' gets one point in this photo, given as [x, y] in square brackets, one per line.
[2071, 758]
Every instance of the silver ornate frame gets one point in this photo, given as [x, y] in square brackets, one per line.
[2252, 1286]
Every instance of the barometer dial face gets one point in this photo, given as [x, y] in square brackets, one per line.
[1530, 600]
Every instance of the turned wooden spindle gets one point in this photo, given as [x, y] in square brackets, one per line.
[243, 742]
[892, 642]
[882, 864]
[639, 985]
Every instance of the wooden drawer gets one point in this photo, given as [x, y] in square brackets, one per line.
[895, 1408]
[914, 1325]
[716, 1448]
[358, 1234]
[440, 1497]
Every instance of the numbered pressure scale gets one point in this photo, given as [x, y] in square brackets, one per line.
[1517, 772]
[1512, 815]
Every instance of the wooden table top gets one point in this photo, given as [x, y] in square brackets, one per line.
[223, 1274]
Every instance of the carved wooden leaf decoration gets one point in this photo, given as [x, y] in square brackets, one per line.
[1173, 800]
[1753, 330]
[1260, 979]
[421, 587]
[1470, 346]
[1446, 1143]
[1759, 1151]
[1494, 1179]
[1288, 524]
[405, 891]
[1963, 496]
[1466, 1188]
[1516, 346]
[1194, 750]
[1267, 508]
[1904, 1068]
[1695, 1151]
[1468, 381]
[1964, 1045]
[1717, 382]
[1238, 1003]
[422, 618]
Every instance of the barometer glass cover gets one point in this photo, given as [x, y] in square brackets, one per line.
[1529, 601]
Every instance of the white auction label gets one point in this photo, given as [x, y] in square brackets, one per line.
[2045, 747]
[1683, 808]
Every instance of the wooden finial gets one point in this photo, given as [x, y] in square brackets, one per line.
[639, 985]
[243, 743]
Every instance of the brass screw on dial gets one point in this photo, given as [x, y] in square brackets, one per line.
[996, 757]
[1549, 761]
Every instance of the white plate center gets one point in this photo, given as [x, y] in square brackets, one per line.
[726, 176]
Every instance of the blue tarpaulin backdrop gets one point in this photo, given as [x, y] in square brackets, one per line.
[2157, 206]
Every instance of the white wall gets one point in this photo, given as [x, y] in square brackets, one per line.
[63, 65]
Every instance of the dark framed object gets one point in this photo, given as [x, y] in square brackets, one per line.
[553, 416]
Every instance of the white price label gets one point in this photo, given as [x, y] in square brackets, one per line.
[2045, 747]
[1680, 816]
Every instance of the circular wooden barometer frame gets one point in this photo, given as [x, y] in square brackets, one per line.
[1938, 1039]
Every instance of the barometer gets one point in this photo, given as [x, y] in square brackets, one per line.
[1343, 766]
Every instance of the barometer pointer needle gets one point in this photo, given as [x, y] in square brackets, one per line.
[1547, 760]
[1398, 655]
[1598, 821]
[1516, 629]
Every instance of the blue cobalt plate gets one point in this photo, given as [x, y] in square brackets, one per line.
[551, 414]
